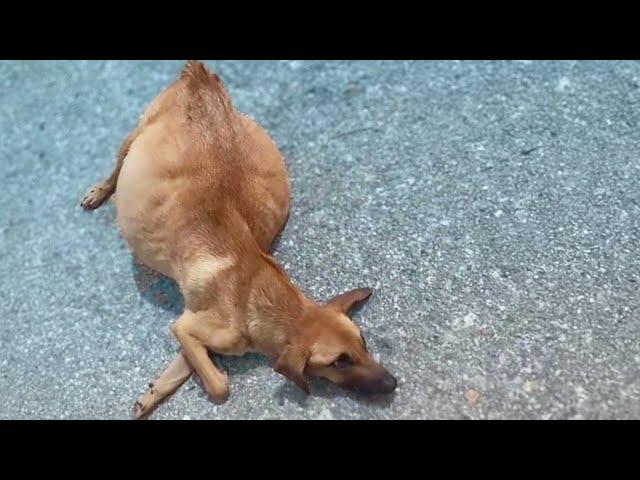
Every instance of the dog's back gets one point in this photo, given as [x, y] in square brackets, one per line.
[199, 176]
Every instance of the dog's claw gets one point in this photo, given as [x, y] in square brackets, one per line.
[138, 411]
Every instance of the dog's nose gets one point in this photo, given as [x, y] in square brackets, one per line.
[388, 383]
[384, 383]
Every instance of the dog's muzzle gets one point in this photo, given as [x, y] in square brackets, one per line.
[383, 384]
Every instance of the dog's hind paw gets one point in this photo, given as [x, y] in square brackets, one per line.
[95, 196]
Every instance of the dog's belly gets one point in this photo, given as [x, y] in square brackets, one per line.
[147, 208]
[150, 216]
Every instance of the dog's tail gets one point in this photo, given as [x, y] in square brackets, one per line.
[198, 75]
[196, 70]
[208, 106]
[207, 86]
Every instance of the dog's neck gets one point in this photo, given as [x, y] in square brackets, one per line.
[277, 304]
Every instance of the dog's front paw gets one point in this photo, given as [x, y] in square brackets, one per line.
[220, 397]
[219, 391]
[95, 196]
[139, 410]
[145, 404]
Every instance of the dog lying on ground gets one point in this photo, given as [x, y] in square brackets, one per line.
[202, 193]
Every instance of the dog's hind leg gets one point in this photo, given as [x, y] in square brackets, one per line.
[168, 382]
[101, 192]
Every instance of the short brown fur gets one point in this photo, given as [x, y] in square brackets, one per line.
[202, 192]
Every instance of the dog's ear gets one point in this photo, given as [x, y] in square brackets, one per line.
[291, 363]
[347, 301]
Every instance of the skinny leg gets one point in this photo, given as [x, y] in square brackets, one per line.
[168, 382]
[199, 332]
[101, 192]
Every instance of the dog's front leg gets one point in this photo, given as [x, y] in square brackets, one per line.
[206, 330]
[168, 382]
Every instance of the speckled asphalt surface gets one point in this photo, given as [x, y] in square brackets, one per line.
[493, 206]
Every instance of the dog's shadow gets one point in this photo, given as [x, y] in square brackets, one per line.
[164, 293]
[157, 289]
[288, 391]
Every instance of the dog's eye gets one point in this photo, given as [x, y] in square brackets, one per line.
[342, 361]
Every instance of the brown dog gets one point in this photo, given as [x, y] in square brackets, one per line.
[202, 192]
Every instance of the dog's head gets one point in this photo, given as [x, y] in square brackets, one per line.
[333, 347]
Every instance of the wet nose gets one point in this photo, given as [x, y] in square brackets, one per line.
[388, 383]
[383, 384]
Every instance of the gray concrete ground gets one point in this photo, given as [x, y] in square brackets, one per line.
[493, 206]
